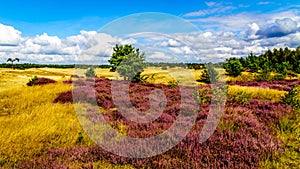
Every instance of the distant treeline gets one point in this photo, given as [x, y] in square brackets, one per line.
[276, 60]
[23, 66]
[172, 65]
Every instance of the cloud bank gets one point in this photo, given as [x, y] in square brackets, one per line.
[219, 38]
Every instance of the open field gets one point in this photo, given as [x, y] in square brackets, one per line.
[258, 132]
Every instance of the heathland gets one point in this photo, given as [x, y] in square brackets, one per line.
[259, 126]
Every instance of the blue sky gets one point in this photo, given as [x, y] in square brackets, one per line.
[255, 24]
[33, 17]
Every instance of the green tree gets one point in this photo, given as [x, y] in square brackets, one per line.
[252, 63]
[128, 62]
[120, 52]
[265, 74]
[283, 67]
[12, 61]
[132, 66]
[233, 67]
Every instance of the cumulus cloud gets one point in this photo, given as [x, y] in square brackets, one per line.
[171, 43]
[240, 21]
[252, 31]
[243, 33]
[9, 35]
[281, 27]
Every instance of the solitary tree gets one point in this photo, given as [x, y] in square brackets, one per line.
[120, 52]
[12, 61]
[128, 62]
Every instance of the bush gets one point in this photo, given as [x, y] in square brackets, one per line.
[292, 98]
[265, 75]
[241, 97]
[279, 77]
[40, 81]
[233, 66]
[90, 72]
[164, 68]
[32, 80]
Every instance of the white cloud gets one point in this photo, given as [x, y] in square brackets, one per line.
[213, 9]
[159, 57]
[45, 40]
[251, 32]
[237, 35]
[281, 27]
[264, 3]
[171, 43]
[9, 35]
[210, 4]
[240, 21]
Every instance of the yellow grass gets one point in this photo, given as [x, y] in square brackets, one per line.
[16, 78]
[255, 92]
[30, 123]
[183, 76]
[245, 76]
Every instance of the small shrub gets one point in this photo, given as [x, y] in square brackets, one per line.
[90, 72]
[164, 68]
[292, 98]
[79, 137]
[32, 80]
[279, 77]
[265, 75]
[241, 97]
[173, 84]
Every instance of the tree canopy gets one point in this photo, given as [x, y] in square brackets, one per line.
[128, 62]
[233, 66]
[120, 52]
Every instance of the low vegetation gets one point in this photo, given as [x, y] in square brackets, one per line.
[259, 127]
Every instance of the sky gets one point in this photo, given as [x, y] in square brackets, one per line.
[63, 32]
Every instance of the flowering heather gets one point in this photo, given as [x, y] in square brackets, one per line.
[243, 139]
[245, 136]
[285, 85]
[40, 81]
[68, 81]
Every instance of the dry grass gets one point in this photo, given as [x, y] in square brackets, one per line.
[17, 78]
[256, 92]
[31, 123]
[181, 75]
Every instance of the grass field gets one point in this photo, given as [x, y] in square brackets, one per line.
[30, 123]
